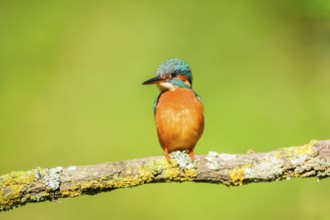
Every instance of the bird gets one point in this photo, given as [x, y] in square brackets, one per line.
[178, 109]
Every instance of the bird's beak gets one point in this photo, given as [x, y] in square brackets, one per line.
[156, 80]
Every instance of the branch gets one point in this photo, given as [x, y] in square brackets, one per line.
[41, 184]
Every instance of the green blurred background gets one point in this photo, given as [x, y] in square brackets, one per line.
[71, 94]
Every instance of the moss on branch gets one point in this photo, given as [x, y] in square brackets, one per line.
[41, 184]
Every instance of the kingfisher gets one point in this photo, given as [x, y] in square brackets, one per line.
[178, 109]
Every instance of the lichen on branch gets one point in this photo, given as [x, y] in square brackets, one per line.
[41, 184]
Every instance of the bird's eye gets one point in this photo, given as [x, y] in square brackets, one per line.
[173, 75]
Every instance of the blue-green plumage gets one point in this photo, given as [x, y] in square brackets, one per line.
[175, 67]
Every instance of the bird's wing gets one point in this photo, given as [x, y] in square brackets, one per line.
[198, 97]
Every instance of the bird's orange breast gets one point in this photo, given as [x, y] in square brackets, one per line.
[179, 119]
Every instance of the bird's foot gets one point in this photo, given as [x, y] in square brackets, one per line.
[166, 154]
[191, 154]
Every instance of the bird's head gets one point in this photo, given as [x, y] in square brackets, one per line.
[172, 74]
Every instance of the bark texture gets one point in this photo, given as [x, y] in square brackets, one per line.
[41, 184]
